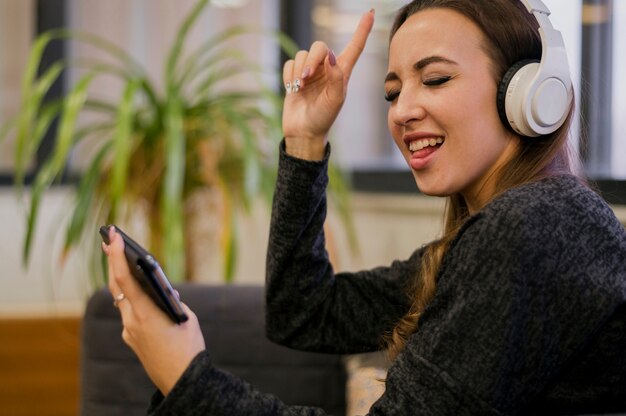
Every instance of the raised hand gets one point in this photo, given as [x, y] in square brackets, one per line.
[317, 82]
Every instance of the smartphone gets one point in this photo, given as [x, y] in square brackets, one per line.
[150, 276]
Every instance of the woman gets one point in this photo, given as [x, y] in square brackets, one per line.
[517, 309]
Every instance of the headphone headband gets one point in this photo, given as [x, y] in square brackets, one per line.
[536, 6]
[553, 54]
[535, 98]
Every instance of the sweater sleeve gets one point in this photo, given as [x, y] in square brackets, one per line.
[206, 390]
[310, 307]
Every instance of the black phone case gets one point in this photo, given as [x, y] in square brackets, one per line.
[150, 276]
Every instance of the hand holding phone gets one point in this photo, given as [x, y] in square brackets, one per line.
[146, 270]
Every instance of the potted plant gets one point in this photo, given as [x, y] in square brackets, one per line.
[156, 149]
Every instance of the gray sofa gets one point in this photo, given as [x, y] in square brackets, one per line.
[232, 319]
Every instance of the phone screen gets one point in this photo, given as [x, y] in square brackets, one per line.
[147, 271]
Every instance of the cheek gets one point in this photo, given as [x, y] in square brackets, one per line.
[475, 116]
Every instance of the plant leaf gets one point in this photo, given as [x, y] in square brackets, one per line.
[30, 144]
[172, 195]
[197, 61]
[32, 99]
[285, 42]
[100, 43]
[84, 197]
[176, 50]
[41, 183]
[231, 253]
[7, 128]
[56, 163]
[122, 146]
[193, 63]
[251, 165]
[228, 240]
[73, 104]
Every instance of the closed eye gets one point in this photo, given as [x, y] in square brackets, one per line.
[390, 96]
[436, 81]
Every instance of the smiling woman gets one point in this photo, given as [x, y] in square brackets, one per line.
[518, 308]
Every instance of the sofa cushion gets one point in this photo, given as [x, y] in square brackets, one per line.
[232, 321]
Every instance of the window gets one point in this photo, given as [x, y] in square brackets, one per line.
[145, 28]
[16, 26]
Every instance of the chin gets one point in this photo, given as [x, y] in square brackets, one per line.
[439, 194]
[430, 189]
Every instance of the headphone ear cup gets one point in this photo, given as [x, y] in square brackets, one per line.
[504, 96]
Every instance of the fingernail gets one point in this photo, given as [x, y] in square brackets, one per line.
[112, 234]
[306, 73]
[332, 59]
[105, 249]
[372, 11]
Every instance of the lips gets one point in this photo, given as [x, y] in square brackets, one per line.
[422, 147]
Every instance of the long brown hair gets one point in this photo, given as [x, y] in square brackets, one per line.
[511, 35]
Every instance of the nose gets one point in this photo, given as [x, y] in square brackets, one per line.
[408, 107]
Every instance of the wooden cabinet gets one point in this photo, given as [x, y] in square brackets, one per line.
[39, 366]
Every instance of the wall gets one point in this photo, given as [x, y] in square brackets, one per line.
[387, 227]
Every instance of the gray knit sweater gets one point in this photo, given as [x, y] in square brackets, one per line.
[529, 315]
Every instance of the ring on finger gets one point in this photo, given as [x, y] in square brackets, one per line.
[296, 85]
[117, 299]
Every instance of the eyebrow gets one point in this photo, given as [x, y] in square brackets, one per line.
[421, 64]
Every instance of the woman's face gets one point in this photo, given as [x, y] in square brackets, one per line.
[442, 113]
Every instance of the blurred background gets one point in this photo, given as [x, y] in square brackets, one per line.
[390, 217]
[595, 40]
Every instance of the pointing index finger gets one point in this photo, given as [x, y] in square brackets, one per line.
[353, 49]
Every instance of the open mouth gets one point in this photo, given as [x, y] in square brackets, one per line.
[419, 144]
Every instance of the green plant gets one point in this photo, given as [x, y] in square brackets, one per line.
[155, 147]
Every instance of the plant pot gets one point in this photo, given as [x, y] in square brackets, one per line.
[204, 213]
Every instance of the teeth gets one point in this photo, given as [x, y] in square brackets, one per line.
[416, 145]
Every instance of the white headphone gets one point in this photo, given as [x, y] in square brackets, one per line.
[534, 98]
